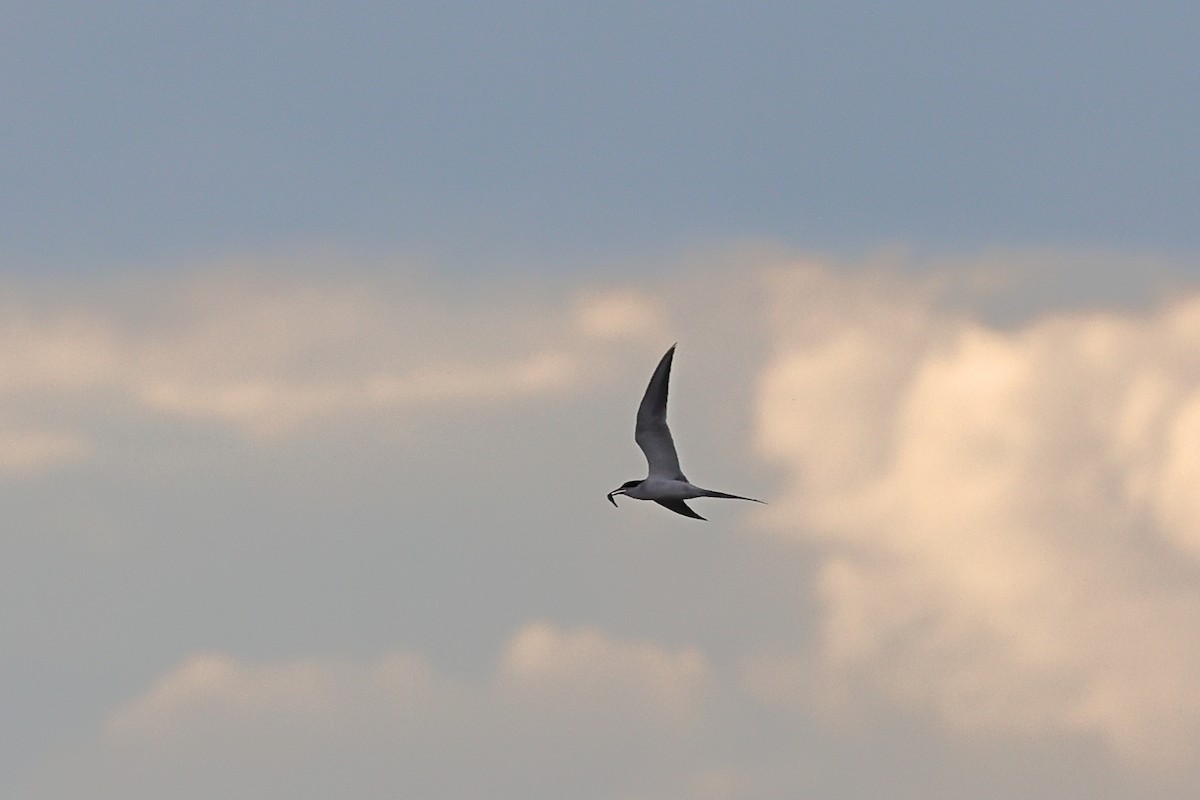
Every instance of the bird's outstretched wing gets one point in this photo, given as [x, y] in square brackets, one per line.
[679, 507]
[652, 433]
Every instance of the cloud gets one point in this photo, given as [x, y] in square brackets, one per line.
[543, 670]
[267, 356]
[709, 784]
[28, 453]
[585, 669]
[276, 406]
[624, 315]
[559, 708]
[64, 352]
[212, 698]
[1001, 515]
[1007, 517]
[41, 361]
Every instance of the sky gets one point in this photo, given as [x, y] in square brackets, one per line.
[322, 333]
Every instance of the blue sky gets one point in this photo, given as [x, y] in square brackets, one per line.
[322, 332]
[530, 134]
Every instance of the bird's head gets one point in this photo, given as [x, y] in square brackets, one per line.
[622, 489]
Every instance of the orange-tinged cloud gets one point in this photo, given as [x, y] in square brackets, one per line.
[547, 678]
[26, 453]
[588, 669]
[1008, 517]
[621, 315]
[269, 358]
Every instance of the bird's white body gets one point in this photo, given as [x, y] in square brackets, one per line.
[665, 483]
[655, 488]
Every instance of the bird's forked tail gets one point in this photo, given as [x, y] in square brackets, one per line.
[711, 493]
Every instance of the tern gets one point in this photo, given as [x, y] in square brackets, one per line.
[665, 483]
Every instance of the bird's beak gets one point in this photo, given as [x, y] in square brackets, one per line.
[610, 496]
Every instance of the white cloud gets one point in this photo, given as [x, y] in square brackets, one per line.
[622, 315]
[710, 784]
[26, 453]
[559, 708]
[267, 357]
[276, 406]
[586, 670]
[1008, 517]
[544, 669]
[61, 353]
[213, 697]
[1002, 517]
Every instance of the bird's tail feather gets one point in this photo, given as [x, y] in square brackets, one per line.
[711, 493]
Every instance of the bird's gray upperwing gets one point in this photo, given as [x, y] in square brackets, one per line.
[651, 432]
[679, 507]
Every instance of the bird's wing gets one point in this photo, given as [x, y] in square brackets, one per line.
[679, 507]
[651, 432]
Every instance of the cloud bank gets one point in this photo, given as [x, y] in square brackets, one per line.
[994, 525]
[561, 706]
[1008, 516]
[266, 355]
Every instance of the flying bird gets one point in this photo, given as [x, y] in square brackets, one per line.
[665, 483]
